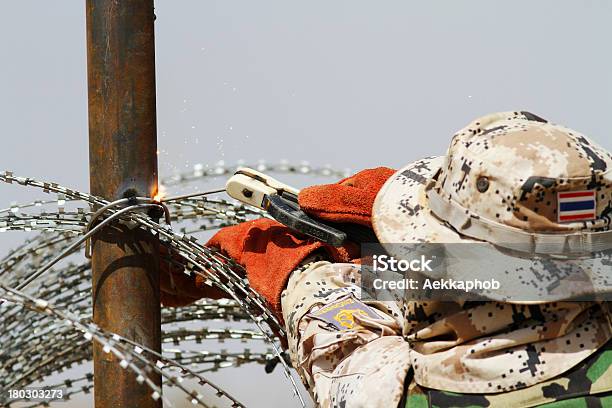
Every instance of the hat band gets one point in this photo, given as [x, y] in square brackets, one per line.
[467, 223]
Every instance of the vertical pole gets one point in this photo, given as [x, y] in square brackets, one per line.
[123, 162]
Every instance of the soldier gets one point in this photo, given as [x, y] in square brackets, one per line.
[507, 178]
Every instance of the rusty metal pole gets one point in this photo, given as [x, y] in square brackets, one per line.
[123, 162]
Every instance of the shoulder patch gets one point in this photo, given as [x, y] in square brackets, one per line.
[341, 314]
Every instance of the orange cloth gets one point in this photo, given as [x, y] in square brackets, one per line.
[269, 251]
[350, 200]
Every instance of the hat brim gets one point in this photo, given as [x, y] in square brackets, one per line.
[401, 215]
[401, 212]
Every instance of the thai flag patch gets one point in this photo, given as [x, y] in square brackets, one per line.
[577, 206]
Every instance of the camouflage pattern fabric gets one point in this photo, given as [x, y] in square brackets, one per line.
[482, 348]
[586, 385]
[490, 347]
[364, 366]
[526, 161]
[502, 182]
[507, 168]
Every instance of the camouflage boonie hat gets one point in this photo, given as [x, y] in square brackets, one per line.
[537, 193]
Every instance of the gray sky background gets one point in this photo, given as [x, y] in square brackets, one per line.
[347, 83]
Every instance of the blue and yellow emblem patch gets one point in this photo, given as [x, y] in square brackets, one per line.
[344, 313]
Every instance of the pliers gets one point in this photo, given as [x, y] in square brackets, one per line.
[281, 202]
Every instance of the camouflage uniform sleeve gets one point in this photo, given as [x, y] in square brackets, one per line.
[348, 353]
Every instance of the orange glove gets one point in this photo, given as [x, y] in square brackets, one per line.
[269, 251]
[348, 201]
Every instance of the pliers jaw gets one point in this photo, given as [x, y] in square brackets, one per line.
[252, 187]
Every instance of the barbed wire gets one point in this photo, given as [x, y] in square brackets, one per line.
[44, 323]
